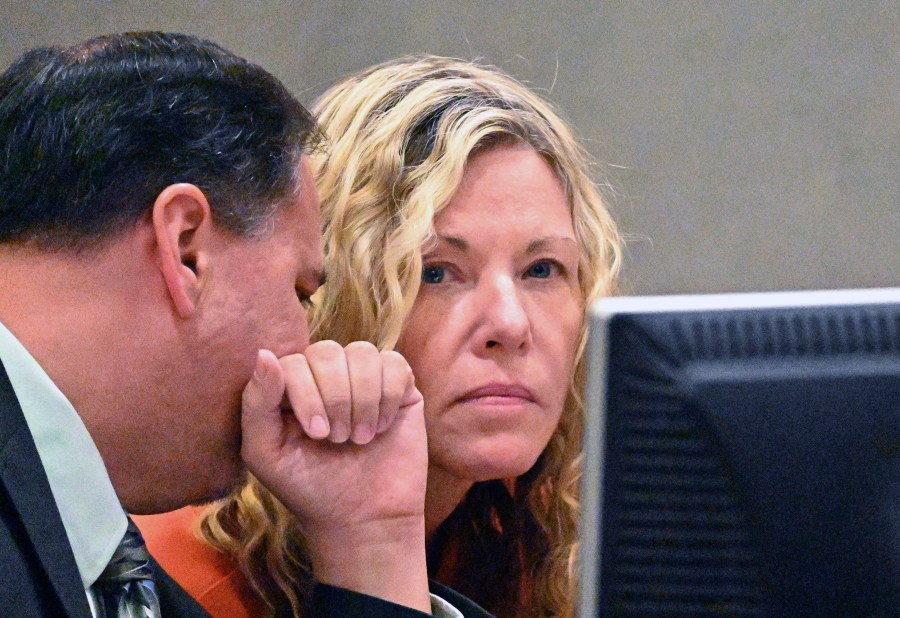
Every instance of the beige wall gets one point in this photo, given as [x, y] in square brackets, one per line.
[751, 145]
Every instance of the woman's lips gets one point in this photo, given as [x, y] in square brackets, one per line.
[499, 393]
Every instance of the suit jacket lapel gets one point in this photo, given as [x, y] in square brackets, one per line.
[25, 481]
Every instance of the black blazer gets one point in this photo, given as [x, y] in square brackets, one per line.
[38, 575]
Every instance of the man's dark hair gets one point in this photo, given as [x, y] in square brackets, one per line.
[90, 135]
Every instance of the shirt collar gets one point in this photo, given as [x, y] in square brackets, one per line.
[88, 506]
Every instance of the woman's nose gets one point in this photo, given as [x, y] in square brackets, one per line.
[503, 315]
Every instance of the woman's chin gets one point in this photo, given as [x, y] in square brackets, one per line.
[487, 464]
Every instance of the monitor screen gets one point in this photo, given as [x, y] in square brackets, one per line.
[742, 456]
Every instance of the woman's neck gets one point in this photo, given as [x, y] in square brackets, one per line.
[443, 493]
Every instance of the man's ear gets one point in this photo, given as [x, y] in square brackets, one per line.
[182, 222]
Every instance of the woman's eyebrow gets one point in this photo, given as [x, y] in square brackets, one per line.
[533, 246]
[454, 241]
[541, 243]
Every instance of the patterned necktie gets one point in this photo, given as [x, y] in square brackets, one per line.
[126, 589]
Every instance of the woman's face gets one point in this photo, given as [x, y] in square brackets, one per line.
[492, 334]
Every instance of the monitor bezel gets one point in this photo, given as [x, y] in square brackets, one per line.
[601, 314]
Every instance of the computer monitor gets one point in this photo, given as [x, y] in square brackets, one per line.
[742, 456]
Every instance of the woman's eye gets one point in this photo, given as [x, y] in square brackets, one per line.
[540, 270]
[432, 274]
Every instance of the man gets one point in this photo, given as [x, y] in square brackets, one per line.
[158, 243]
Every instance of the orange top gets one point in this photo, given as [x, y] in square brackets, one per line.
[206, 574]
[215, 581]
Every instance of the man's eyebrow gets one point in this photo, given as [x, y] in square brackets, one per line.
[319, 276]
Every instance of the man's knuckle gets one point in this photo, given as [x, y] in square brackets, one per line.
[325, 350]
[361, 347]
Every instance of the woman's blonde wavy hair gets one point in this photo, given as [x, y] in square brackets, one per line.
[398, 136]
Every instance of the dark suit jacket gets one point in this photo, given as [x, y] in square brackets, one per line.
[38, 575]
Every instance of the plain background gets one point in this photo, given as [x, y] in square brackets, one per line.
[747, 145]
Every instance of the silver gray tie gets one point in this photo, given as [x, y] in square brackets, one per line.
[126, 588]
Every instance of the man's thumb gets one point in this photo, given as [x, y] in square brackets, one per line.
[261, 401]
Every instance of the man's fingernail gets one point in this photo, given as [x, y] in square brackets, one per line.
[339, 431]
[318, 427]
[259, 372]
[363, 434]
[382, 424]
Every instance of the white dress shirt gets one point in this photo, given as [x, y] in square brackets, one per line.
[88, 506]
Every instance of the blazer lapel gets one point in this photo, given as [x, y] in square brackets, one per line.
[25, 481]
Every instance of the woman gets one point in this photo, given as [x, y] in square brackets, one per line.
[462, 229]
